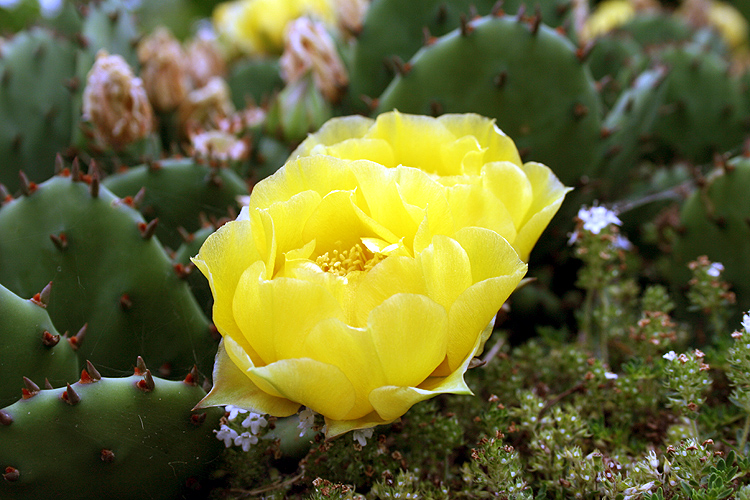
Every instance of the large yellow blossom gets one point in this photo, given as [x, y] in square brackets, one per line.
[352, 289]
[257, 26]
[486, 183]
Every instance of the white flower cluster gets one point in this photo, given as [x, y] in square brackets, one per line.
[597, 218]
[715, 270]
[254, 421]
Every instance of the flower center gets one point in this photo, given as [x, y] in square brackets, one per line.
[346, 262]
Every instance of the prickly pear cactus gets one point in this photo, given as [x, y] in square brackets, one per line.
[177, 191]
[501, 67]
[114, 438]
[30, 346]
[394, 30]
[703, 112]
[714, 222]
[37, 71]
[108, 271]
[198, 283]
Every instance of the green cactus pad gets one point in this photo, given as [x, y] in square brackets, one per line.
[113, 438]
[714, 222]
[703, 110]
[108, 273]
[37, 70]
[177, 191]
[30, 346]
[502, 67]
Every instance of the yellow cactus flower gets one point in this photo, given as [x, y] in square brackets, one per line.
[352, 289]
[486, 183]
[257, 26]
[608, 15]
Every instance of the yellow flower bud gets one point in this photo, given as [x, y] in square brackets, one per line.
[115, 103]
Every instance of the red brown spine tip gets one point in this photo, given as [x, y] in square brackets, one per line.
[93, 372]
[583, 52]
[47, 384]
[497, 9]
[400, 66]
[148, 230]
[76, 340]
[59, 240]
[5, 418]
[185, 235]
[58, 164]
[94, 186]
[147, 383]
[5, 196]
[466, 28]
[85, 377]
[140, 366]
[50, 340]
[108, 456]
[125, 302]
[70, 396]
[580, 111]
[197, 418]
[192, 377]
[42, 298]
[11, 474]
[27, 187]
[75, 170]
[139, 196]
[535, 21]
[30, 390]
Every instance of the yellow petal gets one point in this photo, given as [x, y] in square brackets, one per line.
[508, 182]
[222, 259]
[409, 335]
[472, 205]
[416, 140]
[461, 155]
[335, 130]
[274, 316]
[549, 194]
[321, 387]
[233, 386]
[288, 222]
[474, 308]
[393, 275]
[499, 146]
[319, 173]
[446, 269]
[353, 352]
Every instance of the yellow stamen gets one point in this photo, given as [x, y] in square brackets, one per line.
[348, 261]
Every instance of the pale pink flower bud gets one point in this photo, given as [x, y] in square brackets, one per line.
[115, 102]
[309, 48]
[219, 145]
[205, 60]
[204, 107]
[164, 69]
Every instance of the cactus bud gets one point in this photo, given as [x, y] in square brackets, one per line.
[115, 102]
[164, 69]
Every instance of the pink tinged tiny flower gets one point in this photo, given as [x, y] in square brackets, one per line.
[670, 356]
[226, 434]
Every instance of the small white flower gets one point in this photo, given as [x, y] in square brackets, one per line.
[746, 322]
[306, 420]
[233, 411]
[670, 356]
[226, 434]
[610, 376]
[597, 218]
[245, 440]
[622, 243]
[255, 421]
[715, 269]
[362, 435]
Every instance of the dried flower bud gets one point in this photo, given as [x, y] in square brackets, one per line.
[164, 69]
[205, 106]
[308, 47]
[219, 145]
[350, 14]
[205, 59]
[115, 102]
